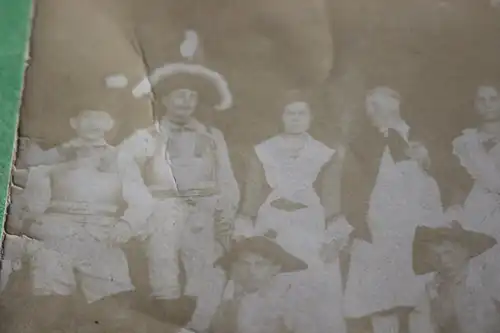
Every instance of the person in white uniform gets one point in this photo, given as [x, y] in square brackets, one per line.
[381, 284]
[74, 212]
[295, 168]
[479, 153]
[255, 300]
[182, 167]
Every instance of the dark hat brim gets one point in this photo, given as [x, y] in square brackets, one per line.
[266, 248]
[424, 260]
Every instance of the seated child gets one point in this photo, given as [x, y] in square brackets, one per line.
[255, 298]
[455, 306]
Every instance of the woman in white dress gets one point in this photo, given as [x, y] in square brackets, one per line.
[306, 225]
[381, 284]
[479, 152]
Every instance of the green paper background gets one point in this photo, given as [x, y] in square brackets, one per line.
[15, 27]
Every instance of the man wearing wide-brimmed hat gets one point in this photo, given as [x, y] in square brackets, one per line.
[183, 174]
[255, 300]
[453, 303]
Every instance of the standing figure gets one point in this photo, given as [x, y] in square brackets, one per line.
[479, 152]
[255, 298]
[74, 211]
[454, 305]
[183, 166]
[293, 167]
[381, 285]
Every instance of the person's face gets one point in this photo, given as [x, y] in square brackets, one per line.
[382, 110]
[487, 103]
[181, 104]
[252, 271]
[92, 125]
[451, 257]
[296, 118]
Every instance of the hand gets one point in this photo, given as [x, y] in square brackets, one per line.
[192, 200]
[419, 153]
[243, 228]
[121, 232]
[454, 213]
[224, 229]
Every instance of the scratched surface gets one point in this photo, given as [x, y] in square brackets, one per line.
[16, 25]
[218, 166]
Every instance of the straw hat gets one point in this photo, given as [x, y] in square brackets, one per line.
[423, 259]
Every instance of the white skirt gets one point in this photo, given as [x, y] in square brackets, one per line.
[314, 299]
[381, 273]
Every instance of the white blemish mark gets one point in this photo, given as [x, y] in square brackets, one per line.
[188, 50]
[116, 81]
[190, 44]
[495, 3]
[143, 88]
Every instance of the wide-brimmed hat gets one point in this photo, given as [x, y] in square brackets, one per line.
[187, 76]
[424, 260]
[264, 247]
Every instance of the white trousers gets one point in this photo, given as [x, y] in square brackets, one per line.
[178, 228]
[77, 244]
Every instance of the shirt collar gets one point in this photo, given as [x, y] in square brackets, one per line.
[192, 125]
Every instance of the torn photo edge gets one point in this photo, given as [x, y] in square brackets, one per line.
[15, 24]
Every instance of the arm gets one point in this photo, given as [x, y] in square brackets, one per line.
[478, 163]
[230, 192]
[329, 187]
[131, 154]
[37, 192]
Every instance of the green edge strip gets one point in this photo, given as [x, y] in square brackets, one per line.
[15, 28]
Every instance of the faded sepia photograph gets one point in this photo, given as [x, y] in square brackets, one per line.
[267, 166]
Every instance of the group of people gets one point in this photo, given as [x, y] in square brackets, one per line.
[312, 246]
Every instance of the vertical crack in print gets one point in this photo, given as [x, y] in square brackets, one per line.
[145, 86]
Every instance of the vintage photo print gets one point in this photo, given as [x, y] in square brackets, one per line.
[257, 167]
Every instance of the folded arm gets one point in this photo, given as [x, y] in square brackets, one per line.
[476, 160]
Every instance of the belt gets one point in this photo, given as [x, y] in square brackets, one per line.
[82, 208]
[172, 193]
